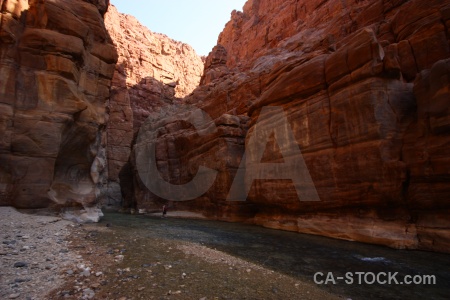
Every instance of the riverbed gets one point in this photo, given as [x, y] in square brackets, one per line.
[297, 256]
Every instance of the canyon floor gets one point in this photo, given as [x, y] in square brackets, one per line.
[45, 257]
[128, 257]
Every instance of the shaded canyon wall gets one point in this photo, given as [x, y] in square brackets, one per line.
[152, 71]
[56, 62]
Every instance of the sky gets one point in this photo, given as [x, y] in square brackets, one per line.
[195, 22]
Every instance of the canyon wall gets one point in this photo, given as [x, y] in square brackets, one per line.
[364, 86]
[56, 61]
[152, 71]
[77, 80]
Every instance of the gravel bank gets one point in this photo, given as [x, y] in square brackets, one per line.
[49, 258]
[33, 254]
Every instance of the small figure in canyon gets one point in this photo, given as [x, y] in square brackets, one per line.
[164, 211]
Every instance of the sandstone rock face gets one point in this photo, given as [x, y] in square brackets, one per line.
[364, 87]
[152, 71]
[56, 66]
[426, 151]
[143, 54]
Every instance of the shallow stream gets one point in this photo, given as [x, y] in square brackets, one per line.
[301, 256]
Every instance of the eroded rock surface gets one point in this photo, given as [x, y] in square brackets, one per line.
[364, 86]
[56, 62]
[152, 71]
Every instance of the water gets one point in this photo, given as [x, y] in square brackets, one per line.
[301, 256]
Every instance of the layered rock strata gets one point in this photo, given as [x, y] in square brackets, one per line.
[56, 62]
[152, 71]
[364, 87]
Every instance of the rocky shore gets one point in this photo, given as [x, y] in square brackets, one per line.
[45, 257]
[33, 254]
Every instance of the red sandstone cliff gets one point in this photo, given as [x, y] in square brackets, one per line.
[365, 87]
[56, 65]
[152, 71]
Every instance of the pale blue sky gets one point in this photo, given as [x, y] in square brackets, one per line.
[195, 22]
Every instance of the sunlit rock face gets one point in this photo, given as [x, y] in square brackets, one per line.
[56, 64]
[152, 72]
[364, 86]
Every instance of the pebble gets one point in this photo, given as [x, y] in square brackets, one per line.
[14, 296]
[20, 264]
[50, 267]
[119, 258]
[147, 265]
[88, 293]
[95, 285]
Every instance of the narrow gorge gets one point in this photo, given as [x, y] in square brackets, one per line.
[363, 84]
